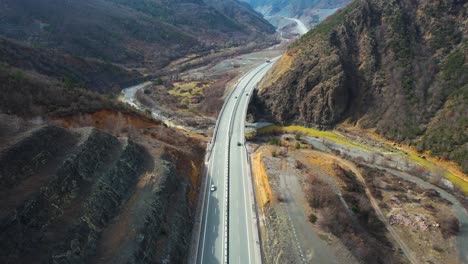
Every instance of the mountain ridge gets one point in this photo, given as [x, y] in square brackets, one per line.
[390, 65]
[147, 33]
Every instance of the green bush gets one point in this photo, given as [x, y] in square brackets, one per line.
[275, 142]
[158, 81]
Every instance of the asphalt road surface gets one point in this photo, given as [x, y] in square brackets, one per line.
[228, 225]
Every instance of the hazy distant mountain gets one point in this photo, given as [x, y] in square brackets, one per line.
[294, 7]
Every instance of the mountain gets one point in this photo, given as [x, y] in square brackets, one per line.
[294, 7]
[243, 14]
[83, 178]
[135, 33]
[94, 74]
[397, 66]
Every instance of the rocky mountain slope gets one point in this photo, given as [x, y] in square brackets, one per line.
[85, 179]
[135, 33]
[82, 195]
[72, 70]
[396, 66]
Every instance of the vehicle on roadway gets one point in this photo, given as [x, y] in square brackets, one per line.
[239, 144]
[213, 188]
[268, 61]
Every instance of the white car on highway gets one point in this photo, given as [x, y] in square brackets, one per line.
[213, 188]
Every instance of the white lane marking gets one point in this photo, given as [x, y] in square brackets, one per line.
[246, 207]
[207, 207]
[244, 174]
[247, 80]
[223, 212]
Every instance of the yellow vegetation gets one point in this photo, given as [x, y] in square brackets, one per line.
[329, 135]
[262, 186]
[186, 90]
[453, 172]
[281, 67]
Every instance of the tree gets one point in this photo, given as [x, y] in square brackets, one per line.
[449, 224]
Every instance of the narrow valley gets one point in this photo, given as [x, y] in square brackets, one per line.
[233, 131]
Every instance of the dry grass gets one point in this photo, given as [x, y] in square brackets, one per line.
[262, 186]
[280, 68]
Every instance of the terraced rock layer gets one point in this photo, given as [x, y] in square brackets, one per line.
[85, 196]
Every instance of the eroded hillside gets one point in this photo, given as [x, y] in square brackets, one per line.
[85, 179]
[76, 194]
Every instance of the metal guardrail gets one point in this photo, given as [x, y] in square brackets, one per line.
[252, 183]
[226, 202]
[193, 256]
[207, 159]
[231, 123]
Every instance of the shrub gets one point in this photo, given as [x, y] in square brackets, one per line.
[18, 75]
[158, 81]
[280, 198]
[273, 154]
[312, 218]
[449, 224]
[274, 141]
[298, 146]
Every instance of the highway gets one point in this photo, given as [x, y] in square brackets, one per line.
[228, 232]
[300, 26]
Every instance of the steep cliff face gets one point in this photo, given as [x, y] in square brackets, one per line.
[390, 65]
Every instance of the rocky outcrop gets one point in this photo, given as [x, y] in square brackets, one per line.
[389, 65]
[100, 190]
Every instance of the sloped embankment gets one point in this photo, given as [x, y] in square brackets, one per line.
[85, 196]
